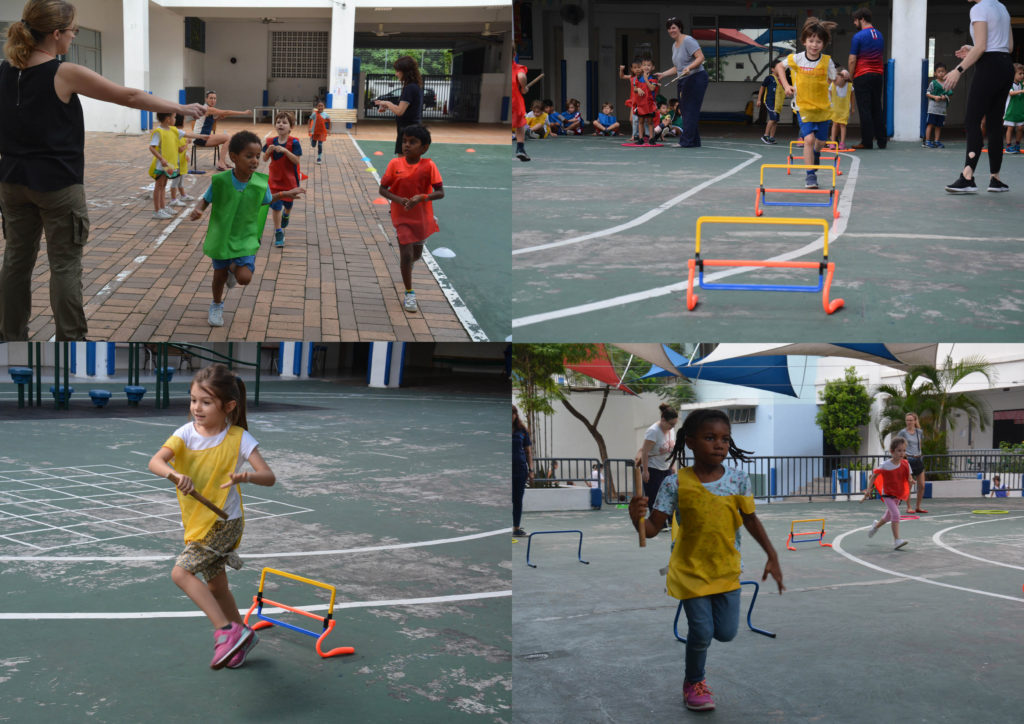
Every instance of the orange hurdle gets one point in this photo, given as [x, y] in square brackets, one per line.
[830, 147]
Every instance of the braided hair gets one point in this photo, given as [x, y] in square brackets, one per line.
[692, 424]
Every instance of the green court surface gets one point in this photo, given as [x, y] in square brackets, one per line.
[863, 633]
[474, 216]
[398, 498]
[603, 234]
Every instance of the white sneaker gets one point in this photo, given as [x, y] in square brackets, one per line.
[216, 316]
[898, 543]
[410, 302]
[164, 214]
[186, 197]
[177, 202]
[874, 529]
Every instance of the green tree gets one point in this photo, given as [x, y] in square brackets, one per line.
[928, 391]
[846, 408]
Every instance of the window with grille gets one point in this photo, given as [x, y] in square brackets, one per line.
[298, 54]
[742, 415]
[87, 50]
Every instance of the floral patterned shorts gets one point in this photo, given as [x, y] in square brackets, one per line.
[209, 555]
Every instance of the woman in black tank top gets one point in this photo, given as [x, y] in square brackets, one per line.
[42, 164]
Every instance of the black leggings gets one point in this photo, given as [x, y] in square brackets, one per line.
[987, 99]
[519, 478]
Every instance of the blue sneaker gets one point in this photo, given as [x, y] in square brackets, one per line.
[279, 238]
[812, 180]
[926, 144]
[938, 144]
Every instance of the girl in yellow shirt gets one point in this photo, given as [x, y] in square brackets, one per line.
[207, 455]
[709, 502]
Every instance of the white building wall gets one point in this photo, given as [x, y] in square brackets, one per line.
[166, 52]
[106, 17]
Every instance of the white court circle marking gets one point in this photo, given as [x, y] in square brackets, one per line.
[838, 228]
[287, 554]
[838, 548]
[937, 539]
[647, 216]
[148, 615]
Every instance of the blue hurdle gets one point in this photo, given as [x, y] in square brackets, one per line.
[529, 542]
[755, 629]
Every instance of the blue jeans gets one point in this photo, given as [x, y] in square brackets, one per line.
[691, 90]
[708, 617]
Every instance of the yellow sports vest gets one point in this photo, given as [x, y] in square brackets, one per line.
[182, 155]
[168, 149]
[812, 89]
[209, 469]
[840, 104]
[704, 559]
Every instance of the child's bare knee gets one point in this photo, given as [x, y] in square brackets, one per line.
[243, 275]
[180, 576]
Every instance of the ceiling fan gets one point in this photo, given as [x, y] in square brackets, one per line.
[488, 32]
[270, 21]
[381, 34]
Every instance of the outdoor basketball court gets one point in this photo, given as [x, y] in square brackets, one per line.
[397, 498]
[604, 233]
[863, 632]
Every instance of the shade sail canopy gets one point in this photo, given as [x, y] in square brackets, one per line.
[599, 367]
[770, 373]
[900, 355]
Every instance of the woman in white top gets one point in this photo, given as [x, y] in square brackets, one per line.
[655, 458]
[993, 44]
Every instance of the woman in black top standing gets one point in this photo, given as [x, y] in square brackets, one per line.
[409, 109]
[42, 163]
[522, 469]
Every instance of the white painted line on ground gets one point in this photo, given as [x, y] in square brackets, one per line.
[930, 237]
[252, 556]
[838, 228]
[146, 615]
[643, 218]
[937, 538]
[838, 548]
[469, 323]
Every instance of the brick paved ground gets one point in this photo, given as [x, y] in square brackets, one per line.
[337, 279]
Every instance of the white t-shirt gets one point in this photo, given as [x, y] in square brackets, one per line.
[995, 14]
[664, 442]
[194, 441]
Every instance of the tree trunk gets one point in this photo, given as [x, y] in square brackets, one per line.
[602, 449]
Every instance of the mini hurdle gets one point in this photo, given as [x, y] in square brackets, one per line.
[833, 194]
[792, 538]
[826, 269]
[750, 610]
[831, 147]
[529, 542]
[266, 621]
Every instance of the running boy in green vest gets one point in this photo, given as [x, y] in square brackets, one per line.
[240, 198]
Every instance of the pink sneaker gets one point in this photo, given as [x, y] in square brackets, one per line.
[238, 658]
[227, 642]
[698, 696]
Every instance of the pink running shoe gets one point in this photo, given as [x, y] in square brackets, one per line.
[227, 642]
[238, 658]
[698, 696]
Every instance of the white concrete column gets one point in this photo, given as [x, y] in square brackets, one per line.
[290, 361]
[576, 50]
[909, 43]
[343, 34]
[385, 365]
[135, 18]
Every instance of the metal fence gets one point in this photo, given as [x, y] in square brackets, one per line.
[445, 97]
[795, 476]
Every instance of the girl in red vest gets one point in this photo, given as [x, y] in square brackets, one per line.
[319, 130]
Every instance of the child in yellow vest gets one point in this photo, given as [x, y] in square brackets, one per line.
[178, 194]
[241, 198]
[206, 455]
[163, 144]
[812, 72]
[840, 94]
[709, 502]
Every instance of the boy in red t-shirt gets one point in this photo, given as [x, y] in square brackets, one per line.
[411, 182]
[283, 151]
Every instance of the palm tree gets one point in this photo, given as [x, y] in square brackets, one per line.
[928, 391]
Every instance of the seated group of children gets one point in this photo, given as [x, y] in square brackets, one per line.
[544, 121]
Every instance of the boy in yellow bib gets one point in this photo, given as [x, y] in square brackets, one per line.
[240, 198]
[709, 502]
[812, 72]
[163, 144]
[207, 455]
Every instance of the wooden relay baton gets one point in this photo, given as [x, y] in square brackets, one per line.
[201, 498]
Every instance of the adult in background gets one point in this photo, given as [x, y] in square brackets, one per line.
[204, 126]
[866, 64]
[986, 99]
[656, 452]
[915, 451]
[409, 109]
[522, 469]
[687, 62]
[42, 163]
